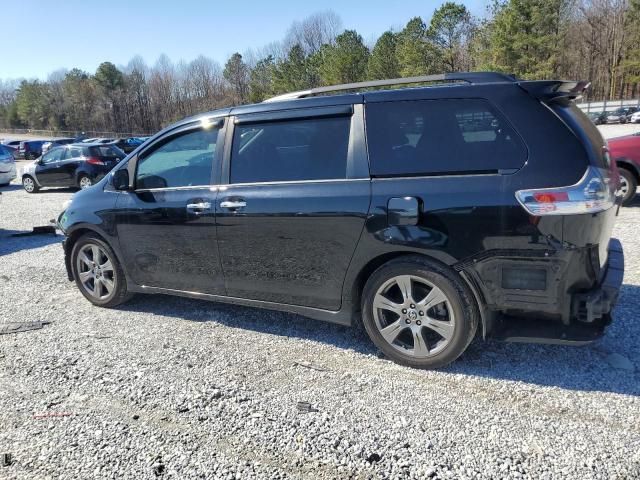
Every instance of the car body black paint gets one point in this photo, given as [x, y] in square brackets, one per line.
[304, 246]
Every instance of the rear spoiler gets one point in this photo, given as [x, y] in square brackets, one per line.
[550, 90]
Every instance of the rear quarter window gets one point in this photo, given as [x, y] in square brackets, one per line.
[438, 137]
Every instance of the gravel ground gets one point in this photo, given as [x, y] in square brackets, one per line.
[176, 388]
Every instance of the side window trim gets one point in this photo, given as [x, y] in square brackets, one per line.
[295, 114]
[357, 158]
[219, 123]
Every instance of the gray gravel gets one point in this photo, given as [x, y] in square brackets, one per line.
[176, 388]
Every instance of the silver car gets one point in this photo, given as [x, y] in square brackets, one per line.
[7, 165]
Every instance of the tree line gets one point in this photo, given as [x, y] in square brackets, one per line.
[596, 40]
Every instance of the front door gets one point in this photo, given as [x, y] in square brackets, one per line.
[166, 226]
[50, 170]
[294, 207]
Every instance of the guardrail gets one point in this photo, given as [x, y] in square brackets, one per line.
[68, 133]
[608, 105]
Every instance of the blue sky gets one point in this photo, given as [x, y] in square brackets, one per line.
[40, 36]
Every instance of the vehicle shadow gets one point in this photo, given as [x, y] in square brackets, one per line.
[584, 368]
[11, 187]
[575, 368]
[9, 243]
[634, 203]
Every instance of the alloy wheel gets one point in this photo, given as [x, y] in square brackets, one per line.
[85, 182]
[28, 184]
[95, 271]
[623, 187]
[414, 316]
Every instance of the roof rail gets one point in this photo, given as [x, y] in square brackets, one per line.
[469, 77]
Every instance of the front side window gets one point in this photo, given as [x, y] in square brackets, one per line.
[440, 137]
[183, 161]
[54, 155]
[292, 150]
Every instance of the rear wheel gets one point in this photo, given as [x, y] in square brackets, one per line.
[29, 184]
[418, 313]
[628, 186]
[97, 272]
[84, 182]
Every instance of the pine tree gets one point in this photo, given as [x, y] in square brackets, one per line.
[383, 61]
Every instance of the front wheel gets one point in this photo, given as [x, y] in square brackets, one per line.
[628, 186]
[29, 184]
[418, 313]
[97, 272]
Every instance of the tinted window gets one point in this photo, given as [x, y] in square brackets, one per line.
[53, 155]
[108, 151]
[313, 149]
[183, 161]
[440, 136]
[72, 153]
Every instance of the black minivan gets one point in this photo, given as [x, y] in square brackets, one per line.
[476, 203]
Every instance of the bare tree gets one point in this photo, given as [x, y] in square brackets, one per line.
[314, 31]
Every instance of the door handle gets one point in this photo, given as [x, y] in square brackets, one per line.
[233, 204]
[198, 208]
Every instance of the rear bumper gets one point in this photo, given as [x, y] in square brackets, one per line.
[557, 314]
[592, 306]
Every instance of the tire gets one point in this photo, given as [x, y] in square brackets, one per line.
[628, 185]
[449, 295]
[84, 181]
[29, 184]
[85, 251]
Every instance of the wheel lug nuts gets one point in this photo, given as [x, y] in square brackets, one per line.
[413, 306]
[407, 321]
[421, 313]
[404, 310]
[419, 322]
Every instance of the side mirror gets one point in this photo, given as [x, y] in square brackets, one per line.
[121, 179]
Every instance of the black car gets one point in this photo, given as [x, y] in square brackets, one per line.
[75, 165]
[427, 214]
[598, 118]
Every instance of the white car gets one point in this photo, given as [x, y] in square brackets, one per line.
[635, 117]
[7, 166]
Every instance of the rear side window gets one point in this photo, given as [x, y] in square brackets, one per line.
[310, 149]
[107, 151]
[449, 136]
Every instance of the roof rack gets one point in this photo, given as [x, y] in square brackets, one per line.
[468, 77]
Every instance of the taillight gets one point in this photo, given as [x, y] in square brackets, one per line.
[95, 161]
[595, 192]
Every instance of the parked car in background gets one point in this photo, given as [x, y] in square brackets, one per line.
[30, 149]
[425, 213]
[15, 144]
[635, 117]
[621, 115]
[625, 152]
[76, 165]
[56, 142]
[599, 118]
[7, 165]
[128, 145]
